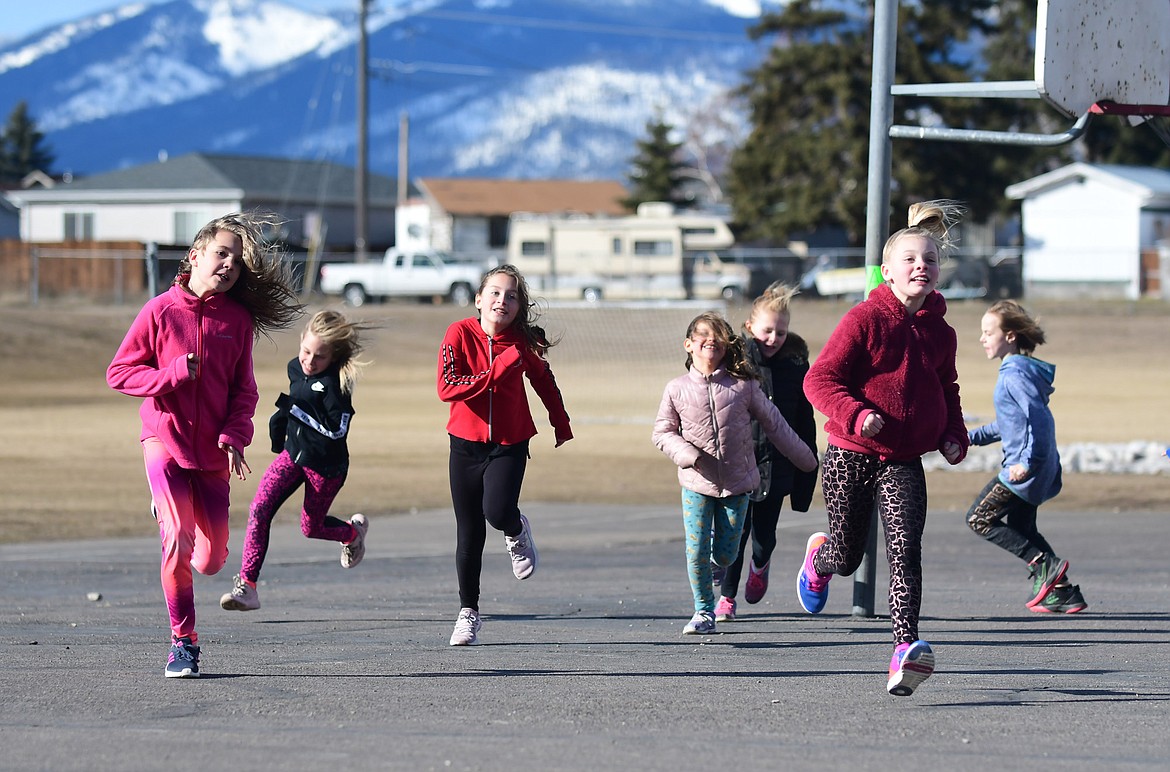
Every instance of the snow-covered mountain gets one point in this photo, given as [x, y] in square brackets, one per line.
[492, 88]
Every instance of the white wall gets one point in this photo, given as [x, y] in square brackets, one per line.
[1083, 233]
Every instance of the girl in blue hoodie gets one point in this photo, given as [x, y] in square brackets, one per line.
[1004, 513]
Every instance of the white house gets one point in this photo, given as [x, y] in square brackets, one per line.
[1095, 230]
[167, 202]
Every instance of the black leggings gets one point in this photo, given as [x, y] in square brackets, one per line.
[485, 488]
[759, 530]
[1006, 520]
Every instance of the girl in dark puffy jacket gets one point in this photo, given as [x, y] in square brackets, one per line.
[309, 431]
[704, 425]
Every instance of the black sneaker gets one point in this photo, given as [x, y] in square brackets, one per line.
[183, 661]
[1066, 599]
[1046, 571]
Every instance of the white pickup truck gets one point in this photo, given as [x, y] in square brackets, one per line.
[416, 273]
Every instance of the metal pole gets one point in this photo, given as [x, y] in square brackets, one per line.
[361, 230]
[881, 117]
[152, 268]
[34, 278]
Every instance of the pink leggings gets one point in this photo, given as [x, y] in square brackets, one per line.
[279, 482]
[192, 510]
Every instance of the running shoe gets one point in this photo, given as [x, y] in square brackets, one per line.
[702, 623]
[466, 628]
[243, 596]
[717, 573]
[522, 550]
[757, 582]
[1046, 571]
[1062, 599]
[911, 664]
[725, 609]
[183, 661]
[812, 588]
[352, 553]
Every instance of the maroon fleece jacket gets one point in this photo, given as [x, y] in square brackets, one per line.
[883, 359]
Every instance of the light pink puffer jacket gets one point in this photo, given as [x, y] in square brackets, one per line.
[704, 425]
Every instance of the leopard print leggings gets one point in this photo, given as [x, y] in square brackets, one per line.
[852, 482]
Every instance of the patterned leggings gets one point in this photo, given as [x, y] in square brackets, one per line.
[702, 515]
[852, 483]
[279, 482]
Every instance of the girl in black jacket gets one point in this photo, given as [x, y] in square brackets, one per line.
[308, 431]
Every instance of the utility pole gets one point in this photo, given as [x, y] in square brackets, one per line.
[361, 185]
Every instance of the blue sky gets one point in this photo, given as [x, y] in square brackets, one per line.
[23, 18]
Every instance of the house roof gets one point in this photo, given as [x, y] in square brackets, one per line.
[268, 179]
[1147, 183]
[483, 197]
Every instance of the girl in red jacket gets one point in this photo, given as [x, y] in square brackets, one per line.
[481, 361]
[886, 381]
[704, 425]
[189, 355]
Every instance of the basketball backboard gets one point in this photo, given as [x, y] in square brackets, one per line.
[1093, 50]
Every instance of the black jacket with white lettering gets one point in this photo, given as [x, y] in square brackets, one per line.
[312, 421]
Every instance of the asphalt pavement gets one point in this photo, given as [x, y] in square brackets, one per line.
[583, 666]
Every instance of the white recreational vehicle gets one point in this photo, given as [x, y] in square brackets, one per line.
[657, 253]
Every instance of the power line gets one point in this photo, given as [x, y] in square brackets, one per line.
[578, 26]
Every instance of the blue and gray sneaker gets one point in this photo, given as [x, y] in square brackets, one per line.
[183, 661]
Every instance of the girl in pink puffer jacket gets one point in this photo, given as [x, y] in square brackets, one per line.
[704, 425]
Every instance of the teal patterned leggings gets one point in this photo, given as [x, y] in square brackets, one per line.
[713, 527]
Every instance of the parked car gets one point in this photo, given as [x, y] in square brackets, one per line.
[416, 273]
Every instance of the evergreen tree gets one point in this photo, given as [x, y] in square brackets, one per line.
[656, 173]
[803, 167]
[22, 146]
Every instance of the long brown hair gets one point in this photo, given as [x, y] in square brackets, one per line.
[528, 313]
[265, 287]
[735, 358]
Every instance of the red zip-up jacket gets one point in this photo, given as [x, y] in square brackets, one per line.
[190, 417]
[480, 377]
[881, 358]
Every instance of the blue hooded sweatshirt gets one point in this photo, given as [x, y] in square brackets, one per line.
[1023, 422]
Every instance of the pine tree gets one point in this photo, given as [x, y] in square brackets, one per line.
[656, 174]
[22, 146]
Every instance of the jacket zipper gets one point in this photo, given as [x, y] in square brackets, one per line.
[492, 391]
[715, 429]
[198, 380]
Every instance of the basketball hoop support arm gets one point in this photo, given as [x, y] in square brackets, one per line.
[1015, 89]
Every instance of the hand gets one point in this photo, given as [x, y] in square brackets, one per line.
[563, 437]
[192, 366]
[1017, 473]
[239, 466]
[951, 452]
[873, 424]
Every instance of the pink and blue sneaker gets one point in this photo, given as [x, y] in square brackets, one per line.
[911, 664]
[812, 588]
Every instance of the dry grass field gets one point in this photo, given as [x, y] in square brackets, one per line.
[72, 466]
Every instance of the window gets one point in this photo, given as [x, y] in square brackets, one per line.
[616, 246]
[422, 261]
[187, 225]
[534, 248]
[699, 231]
[663, 248]
[497, 231]
[79, 226]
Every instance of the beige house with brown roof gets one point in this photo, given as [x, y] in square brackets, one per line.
[470, 216]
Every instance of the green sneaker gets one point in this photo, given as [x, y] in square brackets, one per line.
[1046, 571]
[1066, 599]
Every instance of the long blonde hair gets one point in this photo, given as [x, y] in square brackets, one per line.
[265, 287]
[774, 299]
[343, 338]
[933, 220]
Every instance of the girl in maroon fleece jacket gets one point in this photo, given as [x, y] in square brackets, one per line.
[188, 354]
[886, 381]
[480, 366]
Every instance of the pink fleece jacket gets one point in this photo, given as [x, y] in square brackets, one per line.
[190, 417]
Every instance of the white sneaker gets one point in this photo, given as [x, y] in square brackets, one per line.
[466, 628]
[352, 553]
[702, 623]
[522, 551]
[243, 596]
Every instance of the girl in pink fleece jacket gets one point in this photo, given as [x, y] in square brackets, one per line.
[188, 354]
[704, 425]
